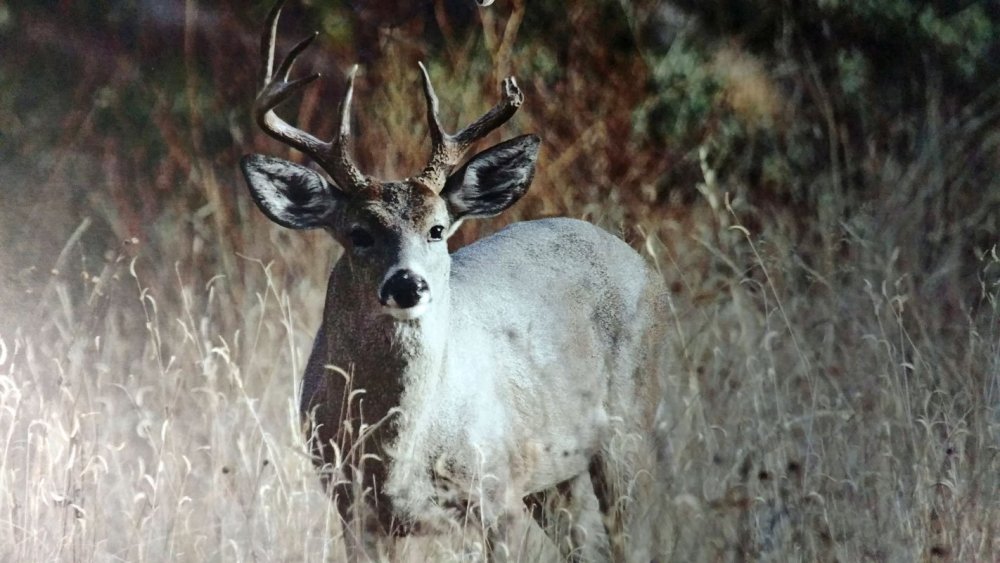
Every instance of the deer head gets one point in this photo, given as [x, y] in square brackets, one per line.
[393, 232]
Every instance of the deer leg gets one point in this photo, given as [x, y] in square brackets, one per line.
[568, 513]
[360, 544]
[506, 539]
[606, 491]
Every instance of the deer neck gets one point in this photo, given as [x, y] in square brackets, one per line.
[386, 356]
[397, 364]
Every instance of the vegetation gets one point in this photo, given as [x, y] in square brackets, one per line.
[817, 181]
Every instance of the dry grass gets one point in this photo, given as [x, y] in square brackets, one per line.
[834, 400]
[817, 418]
[825, 419]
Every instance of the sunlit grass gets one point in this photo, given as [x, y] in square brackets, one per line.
[814, 418]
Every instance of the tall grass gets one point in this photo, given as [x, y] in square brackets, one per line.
[835, 388]
[829, 415]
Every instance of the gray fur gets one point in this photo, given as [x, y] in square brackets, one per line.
[493, 180]
[291, 195]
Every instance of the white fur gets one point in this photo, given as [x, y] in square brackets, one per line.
[505, 409]
[410, 313]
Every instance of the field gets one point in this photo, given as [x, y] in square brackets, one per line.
[835, 328]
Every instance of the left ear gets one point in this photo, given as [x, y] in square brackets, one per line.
[493, 180]
[290, 194]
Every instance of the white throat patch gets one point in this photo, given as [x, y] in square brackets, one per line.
[408, 314]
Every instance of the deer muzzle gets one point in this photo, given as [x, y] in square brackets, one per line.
[405, 295]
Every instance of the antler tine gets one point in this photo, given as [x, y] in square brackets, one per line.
[447, 150]
[433, 121]
[331, 156]
[267, 41]
[340, 155]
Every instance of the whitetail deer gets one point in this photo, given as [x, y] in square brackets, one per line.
[444, 388]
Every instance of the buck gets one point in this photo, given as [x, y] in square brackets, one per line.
[447, 389]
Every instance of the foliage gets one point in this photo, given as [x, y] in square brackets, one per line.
[851, 99]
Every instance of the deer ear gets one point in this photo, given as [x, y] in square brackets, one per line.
[493, 180]
[291, 195]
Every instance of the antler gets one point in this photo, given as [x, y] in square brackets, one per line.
[333, 156]
[447, 150]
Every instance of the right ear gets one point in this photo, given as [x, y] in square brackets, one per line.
[493, 180]
[291, 195]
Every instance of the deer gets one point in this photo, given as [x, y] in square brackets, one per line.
[449, 388]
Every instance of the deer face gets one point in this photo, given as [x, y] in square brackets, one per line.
[394, 233]
[394, 236]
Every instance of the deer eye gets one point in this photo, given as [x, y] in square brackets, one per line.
[360, 238]
[436, 233]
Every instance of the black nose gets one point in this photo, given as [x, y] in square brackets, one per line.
[405, 287]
